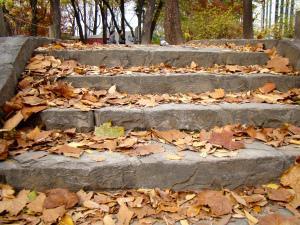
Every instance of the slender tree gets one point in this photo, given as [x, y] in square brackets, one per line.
[276, 11]
[286, 17]
[56, 18]
[247, 19]
[34, 18]
[150, 10]
[172, 25]
[281, 17]
[267, 14]
[103, 11]
[292, 15]
[270, 13]
[122, 38]
[156, 16]
[78, 22]
[96, 17]
[263, 14]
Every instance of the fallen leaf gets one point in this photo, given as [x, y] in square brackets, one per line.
[28, 111]
[169, 135]
[3, 149]
[217, 94]
[173, 157]
[108, 220]
[68, 151]
[52, 215]
[219, 204]
[279, 64]
[124, 215]
[16, 205]
[106, 130]
[91, 204]
[277, 219]
[60, 197]
[13, 121]
[37, 204]
[193, 65]
[281, 194]
[224, 138]
[144, 150]
[33, 100]
[267, 88]
[251, 219]
[66, 220]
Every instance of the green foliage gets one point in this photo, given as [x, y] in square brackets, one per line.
[212, 23]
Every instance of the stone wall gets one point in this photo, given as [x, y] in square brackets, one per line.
[14, 53]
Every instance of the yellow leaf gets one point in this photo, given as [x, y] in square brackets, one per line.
[174, 157]
[272, 186]
[66, 220]
[251, 219]
[184, 222]
[295, 142]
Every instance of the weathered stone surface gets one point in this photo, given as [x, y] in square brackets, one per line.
[15, 52]
[258, 164]
[175, 56]
[183, 83]
[68, 118]
[195, 117]
[291, 50]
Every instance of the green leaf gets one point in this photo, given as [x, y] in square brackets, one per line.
[107, 131]
[32, 195]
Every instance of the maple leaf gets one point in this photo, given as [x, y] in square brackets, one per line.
[224, 138]
[279, 64]
[60, 197]
[218, 203]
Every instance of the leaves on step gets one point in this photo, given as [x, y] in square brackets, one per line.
[106, 130]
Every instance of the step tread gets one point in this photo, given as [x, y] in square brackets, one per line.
[257, 164]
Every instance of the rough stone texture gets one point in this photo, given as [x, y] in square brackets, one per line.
[195, 117]
[291, 50]
[175, 56]
[258, 164]
[174, 116]
[183, 83]
[15, 52]
[68, 118]
[297, 25]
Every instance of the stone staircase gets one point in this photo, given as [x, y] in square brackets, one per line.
[257, 164]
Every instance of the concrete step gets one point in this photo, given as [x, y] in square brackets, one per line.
[257, 164]
[174, 116]
[140, 83]
[146, 56]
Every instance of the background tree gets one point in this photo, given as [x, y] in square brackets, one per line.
[247, 19]
[172, 24]
[55, 18]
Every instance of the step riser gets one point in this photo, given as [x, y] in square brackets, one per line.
[174, 116]
[180, 58]
[183, 83]
[251, 167]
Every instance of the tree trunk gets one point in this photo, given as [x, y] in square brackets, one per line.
[74, 5]
[139, 13]
[270, 13]
[84, 20]
[247, 19]
[276, 11]
[146, 36]
[96, 18]
[292, 15]
[56, 18]
[286, 17]
[156, 16]
[267, 14]
[263, 15]
[122, 38]
[281, 16]
[34, 19]
[112, 16]
[103, 11]
[172, 23]
[3, 30]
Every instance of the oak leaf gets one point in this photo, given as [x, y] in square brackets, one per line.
[60, 197]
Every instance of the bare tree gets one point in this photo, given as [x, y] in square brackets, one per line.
[172, 25]
[122, 39]
[34, 19]
[77, 16]
[247, 19]
[103, 11]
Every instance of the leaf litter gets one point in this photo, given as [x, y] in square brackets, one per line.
[147, 206]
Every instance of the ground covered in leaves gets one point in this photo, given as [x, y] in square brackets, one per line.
[258, 205]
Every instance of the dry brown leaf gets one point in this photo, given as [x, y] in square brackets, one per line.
[219, 204]
[37, 204]
[291, 178]
[28, 111]
[124, 215]
[251, 219]
[52, 215]
[279, 64]
[267, 88]
[69, 151]
[277, 219]
[224, 138]
[108, 220]
[281, 194]
[16, 205]
[60, 197]
[3, 149]
[169, 135]
[13, 121]
[33, 100]
[217, 94]
[144, 150]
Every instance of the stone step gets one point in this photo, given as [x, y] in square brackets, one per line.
[141, 83]
[146, 56]
[174, 116]
[257, 164]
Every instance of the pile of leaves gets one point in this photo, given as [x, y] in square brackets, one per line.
[147, 206]
[37, 95]
[49, 66]
[218, 142]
